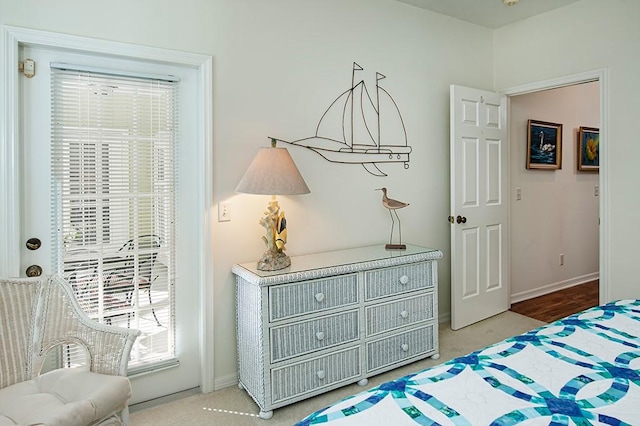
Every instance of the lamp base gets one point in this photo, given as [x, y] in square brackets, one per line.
[273, 261]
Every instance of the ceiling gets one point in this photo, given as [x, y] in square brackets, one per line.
[489, 13]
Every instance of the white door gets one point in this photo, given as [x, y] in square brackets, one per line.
[176, 374]
[479, 210]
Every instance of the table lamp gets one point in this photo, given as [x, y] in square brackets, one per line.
[273, 172]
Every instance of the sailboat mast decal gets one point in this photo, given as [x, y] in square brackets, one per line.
[356, 130]
[378, 78]
[355, 68]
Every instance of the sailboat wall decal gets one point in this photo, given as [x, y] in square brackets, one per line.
[355, 129]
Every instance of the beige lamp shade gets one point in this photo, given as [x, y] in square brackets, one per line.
[273, 172]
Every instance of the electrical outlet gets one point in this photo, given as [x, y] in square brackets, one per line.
[561, 259]
[596, 190]
[224, 212]
[518, 194]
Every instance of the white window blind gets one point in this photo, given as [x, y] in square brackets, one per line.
[113, 148]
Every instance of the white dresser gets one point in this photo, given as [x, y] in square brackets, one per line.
[333, 318]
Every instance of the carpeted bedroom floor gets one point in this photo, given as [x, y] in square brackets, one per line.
[233, 407]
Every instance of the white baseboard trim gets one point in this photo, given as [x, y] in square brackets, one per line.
[226, 381]
[550, 288]
[444, 318]
[163, 400]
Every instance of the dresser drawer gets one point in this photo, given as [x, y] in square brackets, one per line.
[289, 300]
[399, 279]
[388, 316]
[391, 350]
[312, 335]
[307, 376]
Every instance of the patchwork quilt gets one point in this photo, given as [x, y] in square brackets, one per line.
[581, 370]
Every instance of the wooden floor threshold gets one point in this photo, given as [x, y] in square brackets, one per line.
[559, 304]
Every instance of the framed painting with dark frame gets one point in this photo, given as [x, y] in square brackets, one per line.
[544, 145]
[589, 149]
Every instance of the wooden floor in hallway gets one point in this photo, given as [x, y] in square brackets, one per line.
[559, 304]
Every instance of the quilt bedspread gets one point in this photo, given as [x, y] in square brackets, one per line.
[581, 370]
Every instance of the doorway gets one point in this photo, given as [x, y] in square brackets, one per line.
[557, 217]
[554, 212]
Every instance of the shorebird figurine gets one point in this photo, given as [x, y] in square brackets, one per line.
[393, 205]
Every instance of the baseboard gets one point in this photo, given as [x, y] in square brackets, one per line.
[541, 291]
[225, 382]
[163, 400]
[230, 380]
[444, 318]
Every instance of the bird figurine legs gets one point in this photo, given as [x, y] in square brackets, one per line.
[398, 246]
[393, 205]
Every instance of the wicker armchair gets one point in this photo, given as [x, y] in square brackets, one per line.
[38, 315]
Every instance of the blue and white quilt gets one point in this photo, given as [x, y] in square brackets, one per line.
[581, 370]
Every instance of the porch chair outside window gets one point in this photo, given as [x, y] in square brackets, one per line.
[133, 269]
[130, 269]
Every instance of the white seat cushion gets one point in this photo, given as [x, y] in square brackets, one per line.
[63, 397]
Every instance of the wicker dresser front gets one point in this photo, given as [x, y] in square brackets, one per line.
[333, 318]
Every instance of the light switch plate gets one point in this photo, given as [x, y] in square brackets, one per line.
[224, 212]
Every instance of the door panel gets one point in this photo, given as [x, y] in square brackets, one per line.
[494, 261]
[478, 185]
[470, 172]
[470, 255]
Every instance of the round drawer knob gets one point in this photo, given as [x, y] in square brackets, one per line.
[319, 297]
[320, 374]
[404, 347]
[404, 279]
[404, 314]
[320, 335]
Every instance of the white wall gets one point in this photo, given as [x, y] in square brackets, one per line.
[584, 36]
[277, 66]
[558, 211]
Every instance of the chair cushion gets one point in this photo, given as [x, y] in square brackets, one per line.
[63, 397]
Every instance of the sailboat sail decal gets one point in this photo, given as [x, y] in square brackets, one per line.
[356, 130]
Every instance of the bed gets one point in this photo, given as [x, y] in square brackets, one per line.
[581, 370]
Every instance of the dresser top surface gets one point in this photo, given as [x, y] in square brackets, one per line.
[342, 260]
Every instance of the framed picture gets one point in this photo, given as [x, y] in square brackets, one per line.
[589, 149]
[544, 145]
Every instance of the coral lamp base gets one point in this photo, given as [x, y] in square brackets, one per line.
[273, 261]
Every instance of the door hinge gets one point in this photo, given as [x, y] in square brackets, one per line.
[27, 67]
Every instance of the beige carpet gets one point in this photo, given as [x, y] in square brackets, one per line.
[233, 407]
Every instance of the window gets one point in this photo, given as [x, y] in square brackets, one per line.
[113, 177]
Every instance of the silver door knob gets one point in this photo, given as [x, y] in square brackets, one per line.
[34, 271]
